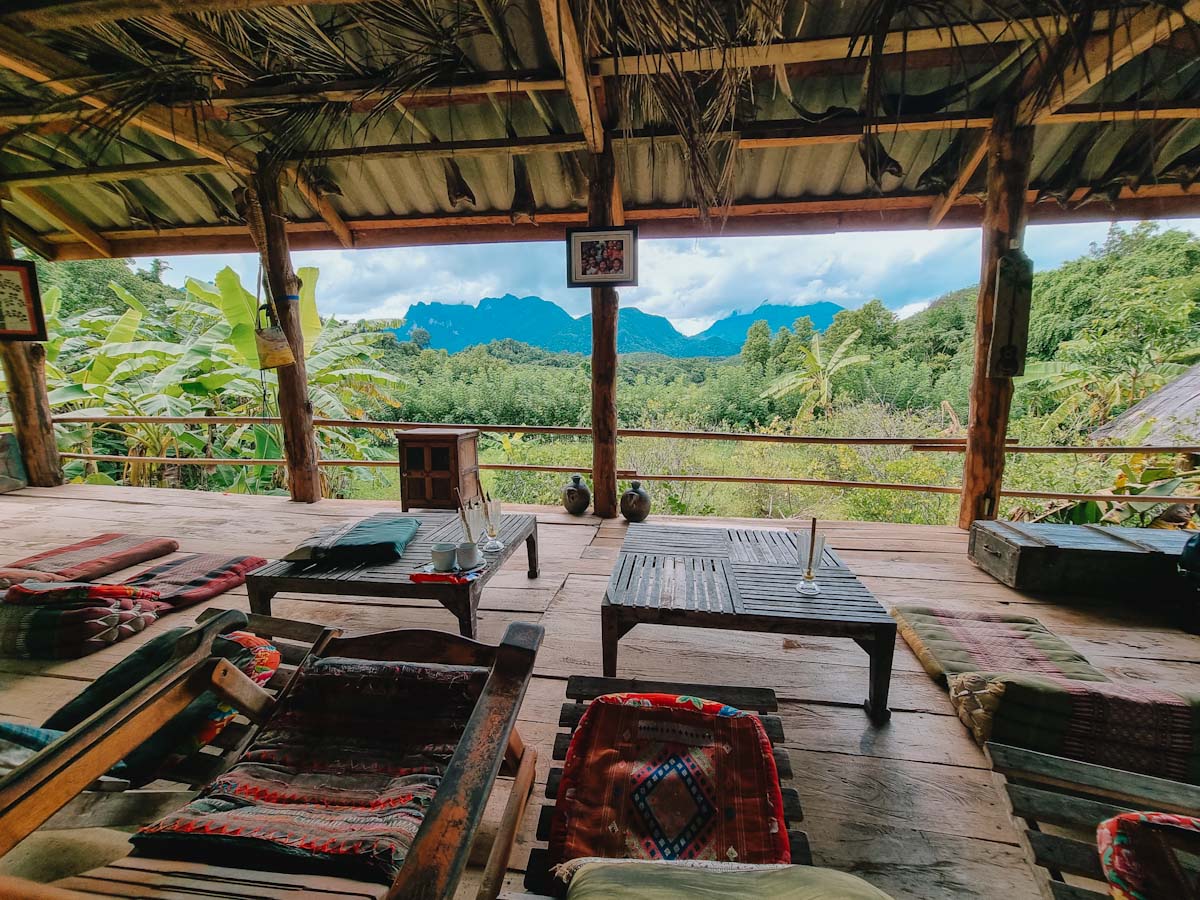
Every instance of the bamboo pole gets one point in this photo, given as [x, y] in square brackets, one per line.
[604, 348]
[1010, 151]
[295, 409]
[24, 365]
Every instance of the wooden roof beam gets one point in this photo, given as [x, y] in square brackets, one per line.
[565, 46]
[47, 205]
[1104, 53]
[58, 72]
[46, 15]
[124, 172]
[27, 236]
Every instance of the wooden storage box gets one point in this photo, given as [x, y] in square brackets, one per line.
[435, 463]
[1131, 563]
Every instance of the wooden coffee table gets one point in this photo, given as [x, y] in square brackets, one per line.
[391, 580]
[742, 580]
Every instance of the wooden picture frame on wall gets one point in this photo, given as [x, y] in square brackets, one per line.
[602, 256]
[21, 315]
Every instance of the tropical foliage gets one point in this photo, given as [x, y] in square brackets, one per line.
[1105, 330]
[197, 356]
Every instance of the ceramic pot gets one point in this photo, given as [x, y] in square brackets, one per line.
[468, 555]
[635, 502]
[443, 557]
[576, 498]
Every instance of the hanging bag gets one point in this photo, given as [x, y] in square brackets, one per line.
[274, 351]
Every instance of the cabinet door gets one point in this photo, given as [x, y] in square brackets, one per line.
[442, 473]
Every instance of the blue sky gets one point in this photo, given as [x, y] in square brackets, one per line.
[691, 282]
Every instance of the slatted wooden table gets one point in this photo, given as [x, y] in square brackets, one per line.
[742, 580]
[391, 581]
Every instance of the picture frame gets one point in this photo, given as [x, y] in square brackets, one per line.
[21, 315]
[602, 257]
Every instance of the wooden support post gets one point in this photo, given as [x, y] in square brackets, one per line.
[604, 348]
[24, 365]
[295, 409]
[1010, 149]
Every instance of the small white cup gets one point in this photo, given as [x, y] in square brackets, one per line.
[443, 557]
[468, 555]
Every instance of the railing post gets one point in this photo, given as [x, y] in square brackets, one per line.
[604, 347]
[1010, 149]
[24, 365]
[295, 409]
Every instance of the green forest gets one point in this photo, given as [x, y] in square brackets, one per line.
[1105, 330]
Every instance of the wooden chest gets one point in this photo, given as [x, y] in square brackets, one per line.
[439, 467]
[1080, 559]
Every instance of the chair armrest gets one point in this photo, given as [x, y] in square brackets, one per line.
[442, 846]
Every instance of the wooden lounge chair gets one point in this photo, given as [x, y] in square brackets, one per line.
[581, 690]
[1057, 803]
[47, 788]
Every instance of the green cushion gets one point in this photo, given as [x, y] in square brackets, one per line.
[637, 880]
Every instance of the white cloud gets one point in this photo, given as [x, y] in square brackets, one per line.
[690, 281]
[911, 309]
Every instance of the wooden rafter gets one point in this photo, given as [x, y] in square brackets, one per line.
[27, 236]
[563, 38]
[60, 73]
[832, 49]
[768, 217]
[123, 172]
[1103, 54]
[1100, 55]
[43, 202]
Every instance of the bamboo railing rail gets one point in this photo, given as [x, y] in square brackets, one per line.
[937, 444]
[925, 444]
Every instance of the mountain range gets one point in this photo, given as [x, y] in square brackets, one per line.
[545, 324]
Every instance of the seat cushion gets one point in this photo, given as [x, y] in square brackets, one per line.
[696, 881]
[96, 557]
[658, 776]
[339, 779]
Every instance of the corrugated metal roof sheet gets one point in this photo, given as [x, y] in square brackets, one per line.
[653, 172]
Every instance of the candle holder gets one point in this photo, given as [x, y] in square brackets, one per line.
[809, 550]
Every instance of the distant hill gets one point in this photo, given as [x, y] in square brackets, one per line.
[542, 323]
[734, 326]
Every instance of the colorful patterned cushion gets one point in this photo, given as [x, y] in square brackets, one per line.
[97, 556]
[948, 642]
[194, 579]
[657, 776]
[1127, 864]
[338, 780]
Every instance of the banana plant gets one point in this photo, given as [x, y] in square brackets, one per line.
[816, 373]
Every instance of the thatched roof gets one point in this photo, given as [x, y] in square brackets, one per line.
[127, 128]
[1173, 413]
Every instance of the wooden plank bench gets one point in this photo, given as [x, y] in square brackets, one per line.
[1057, 804]
[582, 689]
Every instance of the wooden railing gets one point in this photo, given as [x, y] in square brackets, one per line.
[920, 444]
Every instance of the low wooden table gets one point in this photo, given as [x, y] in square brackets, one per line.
[391, 580]
[742, 580]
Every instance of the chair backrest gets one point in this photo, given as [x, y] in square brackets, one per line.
[1074, 797]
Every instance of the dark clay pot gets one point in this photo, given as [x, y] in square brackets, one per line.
[635, 502]
[576, 498]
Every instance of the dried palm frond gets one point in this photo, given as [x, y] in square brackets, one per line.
[701, 107]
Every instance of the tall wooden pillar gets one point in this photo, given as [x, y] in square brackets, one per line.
[1010, 148]
[25, 376]
[295, 409]
[604, 347]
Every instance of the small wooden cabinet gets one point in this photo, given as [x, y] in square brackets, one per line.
[434, 462]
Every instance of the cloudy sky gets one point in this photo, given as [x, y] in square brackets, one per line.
[691, 282]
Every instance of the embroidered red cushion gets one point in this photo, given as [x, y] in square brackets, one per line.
[662, 776]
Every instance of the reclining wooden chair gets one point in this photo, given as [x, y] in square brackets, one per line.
[52, 787]
[1057, 804]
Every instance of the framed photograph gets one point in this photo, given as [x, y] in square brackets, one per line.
[21, 317]
[602, 256]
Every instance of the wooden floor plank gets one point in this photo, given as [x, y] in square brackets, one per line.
[909, 806]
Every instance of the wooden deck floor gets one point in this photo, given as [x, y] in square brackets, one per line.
[910, 807]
